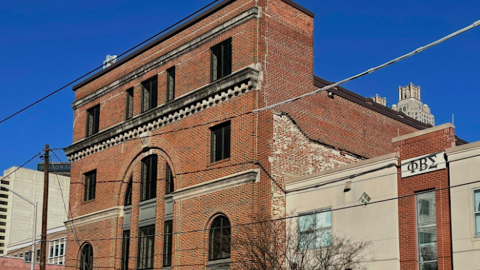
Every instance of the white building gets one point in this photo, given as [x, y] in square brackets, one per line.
[465, 200]
[16, 215]
[410, 103]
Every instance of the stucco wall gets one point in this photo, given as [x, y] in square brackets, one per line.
[377, 223]
[463, 162]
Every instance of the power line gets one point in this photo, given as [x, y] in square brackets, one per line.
[95, 69]
[371, 70]
[21, 166]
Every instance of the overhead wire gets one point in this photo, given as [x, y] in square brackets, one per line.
[108, 62]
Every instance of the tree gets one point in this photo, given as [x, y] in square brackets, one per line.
[275, 245]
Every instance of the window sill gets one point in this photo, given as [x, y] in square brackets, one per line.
[149, 201]
[87, 202]
[215, 163]
[219, 264]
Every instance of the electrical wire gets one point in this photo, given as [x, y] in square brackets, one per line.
[101, 66]
[371, 70]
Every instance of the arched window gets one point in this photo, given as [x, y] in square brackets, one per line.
[219, 241]
[86, 258]
[128, 194]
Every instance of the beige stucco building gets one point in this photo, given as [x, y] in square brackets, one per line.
[464, 164]
[377, 222]
[16, 217]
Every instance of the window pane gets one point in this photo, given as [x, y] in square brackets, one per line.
[426, 216]
[306, 223]
[149, 178]
[125, 249]
[427, 241]
[170, 84]
[167, 244]
[477, 200]
[146, 246]
[477, 224]
[56, 250]
[429, 266]
[169, 180]
[324, 220]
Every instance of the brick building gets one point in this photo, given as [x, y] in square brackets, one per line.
[165, 139]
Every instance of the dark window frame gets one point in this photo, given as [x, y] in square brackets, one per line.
[221, 60]
[129, 104]
[219, 240]
[128, 193]
[90, 185]
[150, 86]
[145, 256]
[93, 120]
[169, 183]
[125, 249]
[86, 258]
[170, 84]
[220, 142]
[148, 183]
[167, 243]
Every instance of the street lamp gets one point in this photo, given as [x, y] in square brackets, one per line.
[34, 204]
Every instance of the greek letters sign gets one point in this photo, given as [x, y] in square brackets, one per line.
[423, 164]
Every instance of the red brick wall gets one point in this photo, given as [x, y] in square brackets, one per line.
[417, 146]
[20, 264]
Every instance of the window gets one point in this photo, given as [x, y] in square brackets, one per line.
[90, 183]
[149, 94]
[62, 249]
[167, 243]
[86, 258]
[38, 255]
[168, 180]
[125, 249]
[315, 230]
[427, 231]
[56, 250]
[3, 196]
[2, 230]
[171, 84]
[3, 216]
[4, 182]
[3, 210]
[3, 189]
[27, 256]
[219, 241]
[51, 251]
[149, 178]
[221, 60]
[220, 142]
[3, 203]
[93, 117]
[3, 237]
[476, 211]
[129, 109]
[21, 255]
[145, 247]
[128, 195]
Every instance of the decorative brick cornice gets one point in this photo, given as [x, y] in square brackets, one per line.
[191, 103]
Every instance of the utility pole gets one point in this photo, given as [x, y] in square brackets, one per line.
[43, 244]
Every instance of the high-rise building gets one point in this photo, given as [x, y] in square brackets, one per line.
[410, 103]
[16, 215]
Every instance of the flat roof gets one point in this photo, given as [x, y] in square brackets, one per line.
[173, 32]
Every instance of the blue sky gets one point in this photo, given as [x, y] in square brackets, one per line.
[46, 44]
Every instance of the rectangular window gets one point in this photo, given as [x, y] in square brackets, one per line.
[476, 211]
[51, 252]
[3, 203]
[168, 180]
[129, 108]
[221, 60]
[125, 249]
[149, 94]
[427, 231]
[27, 256]
[3, 196]
[170, 84]
[4, 182]
[3, 216]
[220, 142]
[56, 250]
[21, 255]
[167, 243]
[149, 178]
[145, 247]
[315, 230]
[62, 249]
[90, 184]
[38, 255]
[2, 224]
[93, 118]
